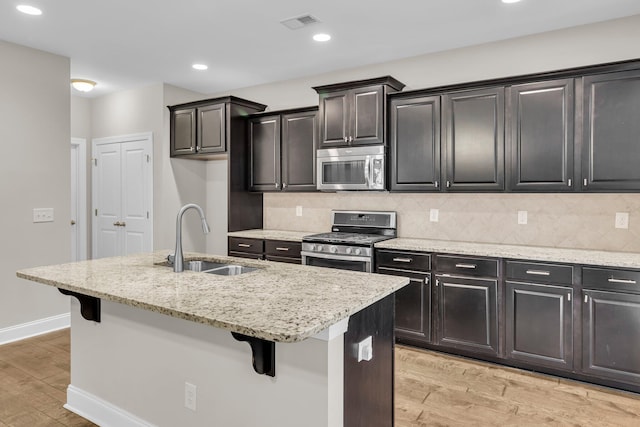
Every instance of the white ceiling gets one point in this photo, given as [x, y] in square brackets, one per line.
[127, 43]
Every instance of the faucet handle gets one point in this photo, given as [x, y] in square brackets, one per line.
[171, 258]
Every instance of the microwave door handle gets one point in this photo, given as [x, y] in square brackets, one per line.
[368, 171]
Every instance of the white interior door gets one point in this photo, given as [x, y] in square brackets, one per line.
[78, 200]
[122, 199]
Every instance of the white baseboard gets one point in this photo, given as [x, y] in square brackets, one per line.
[37, 327]
[100, 411]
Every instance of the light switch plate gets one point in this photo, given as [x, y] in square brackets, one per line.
[522, 217]
[433, 215]
[43, 215]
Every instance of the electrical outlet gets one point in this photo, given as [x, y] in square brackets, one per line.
[433, 215]
[43, 215]
[365, 349]
[622, 220]
[298, 210]
[522, 217]
[190, 396]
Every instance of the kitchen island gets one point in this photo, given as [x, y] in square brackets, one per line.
[161, 350]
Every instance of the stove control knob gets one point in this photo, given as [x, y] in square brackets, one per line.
[319, 248]
[312, 247]
[348, 250]
[333, 249]
[357, 252]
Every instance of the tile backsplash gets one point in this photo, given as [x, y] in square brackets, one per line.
[582, 221]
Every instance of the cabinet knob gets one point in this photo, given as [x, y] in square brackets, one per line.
[584, 182]
[350, 139]
[448, 184]
[284, 185]
[569, 182]
[277, 186]
[191, 149]
[198, 148]
[346, 139]
[435, 184]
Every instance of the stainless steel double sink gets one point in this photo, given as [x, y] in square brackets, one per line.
[220, 269]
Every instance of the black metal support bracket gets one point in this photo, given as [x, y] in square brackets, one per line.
[263, 352]
[89, 306]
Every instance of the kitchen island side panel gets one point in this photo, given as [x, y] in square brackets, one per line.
[138, 362]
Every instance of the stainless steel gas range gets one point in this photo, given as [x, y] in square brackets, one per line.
[349, 245]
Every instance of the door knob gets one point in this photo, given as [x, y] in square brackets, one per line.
[73, 222]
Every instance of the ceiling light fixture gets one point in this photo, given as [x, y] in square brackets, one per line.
[322, 37]
[200, 67]
[83, 85]
[510, 1]
[29, 10]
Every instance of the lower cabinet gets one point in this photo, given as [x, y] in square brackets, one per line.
[539, 324]
[271, 250]
[467, 313]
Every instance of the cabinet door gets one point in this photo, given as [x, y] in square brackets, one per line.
[474, 128]
[467, 313]
[540, 136]
[211, 129]
[415, 144]
[367, 116]
[299, 143]
[334, 119]
[539, 324]
[264, 151]
[413, 305]
[611, 128]
[183, 132]
[611, 335]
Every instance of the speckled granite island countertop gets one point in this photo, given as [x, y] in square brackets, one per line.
[534, 253]
[290, 236]
[279, 302]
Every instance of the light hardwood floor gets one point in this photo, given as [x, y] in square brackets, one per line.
[432, 389]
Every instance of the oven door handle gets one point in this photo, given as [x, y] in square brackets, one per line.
[336, 257]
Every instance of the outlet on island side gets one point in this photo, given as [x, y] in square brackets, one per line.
[190, 396]
[622, 220]
[434, 215]
[522, 217]
[298, 210]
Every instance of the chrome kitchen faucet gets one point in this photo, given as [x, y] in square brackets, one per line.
[178, 261]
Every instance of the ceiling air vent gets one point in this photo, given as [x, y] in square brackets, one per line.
[299, 22]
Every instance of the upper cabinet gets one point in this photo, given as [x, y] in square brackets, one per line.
[354, 113]
[474, 139]
[282, 148]
[415, 143]
[611, 147]
[201, 129]
[540, 136]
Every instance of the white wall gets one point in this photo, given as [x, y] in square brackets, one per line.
[34, 173]
[589, 44]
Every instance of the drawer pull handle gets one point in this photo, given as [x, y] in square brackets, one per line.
[282, 249]
[244, 245]
[569, 297]
[625, 281]
[538, 272]
[402, 259]
[468, 266]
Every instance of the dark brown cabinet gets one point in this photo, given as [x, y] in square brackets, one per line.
[245, 247]
[467, 304]
[282, 151]
[474, 140]
[413, 302]
[539, 132]
[271, 250]
[415, 143]
[202, 129]
[610, 132]
[539, 315]
[354, 113]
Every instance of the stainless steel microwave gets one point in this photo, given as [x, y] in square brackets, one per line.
[352, 168]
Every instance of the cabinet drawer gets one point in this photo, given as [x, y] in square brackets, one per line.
[283, 259]
[467, 266]
[540, 272]
[611, 279]
[403, 260]
[241, 244]
[282, 248]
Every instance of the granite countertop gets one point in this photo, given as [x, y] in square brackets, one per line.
[535, 253]
[279, 302]
[291, 236]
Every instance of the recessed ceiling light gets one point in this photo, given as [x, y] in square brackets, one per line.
[510, 1]
[200, 67]
[83, 85]
[29, 10]
[322, 37]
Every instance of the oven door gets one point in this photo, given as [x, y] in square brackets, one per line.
[342, 262]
